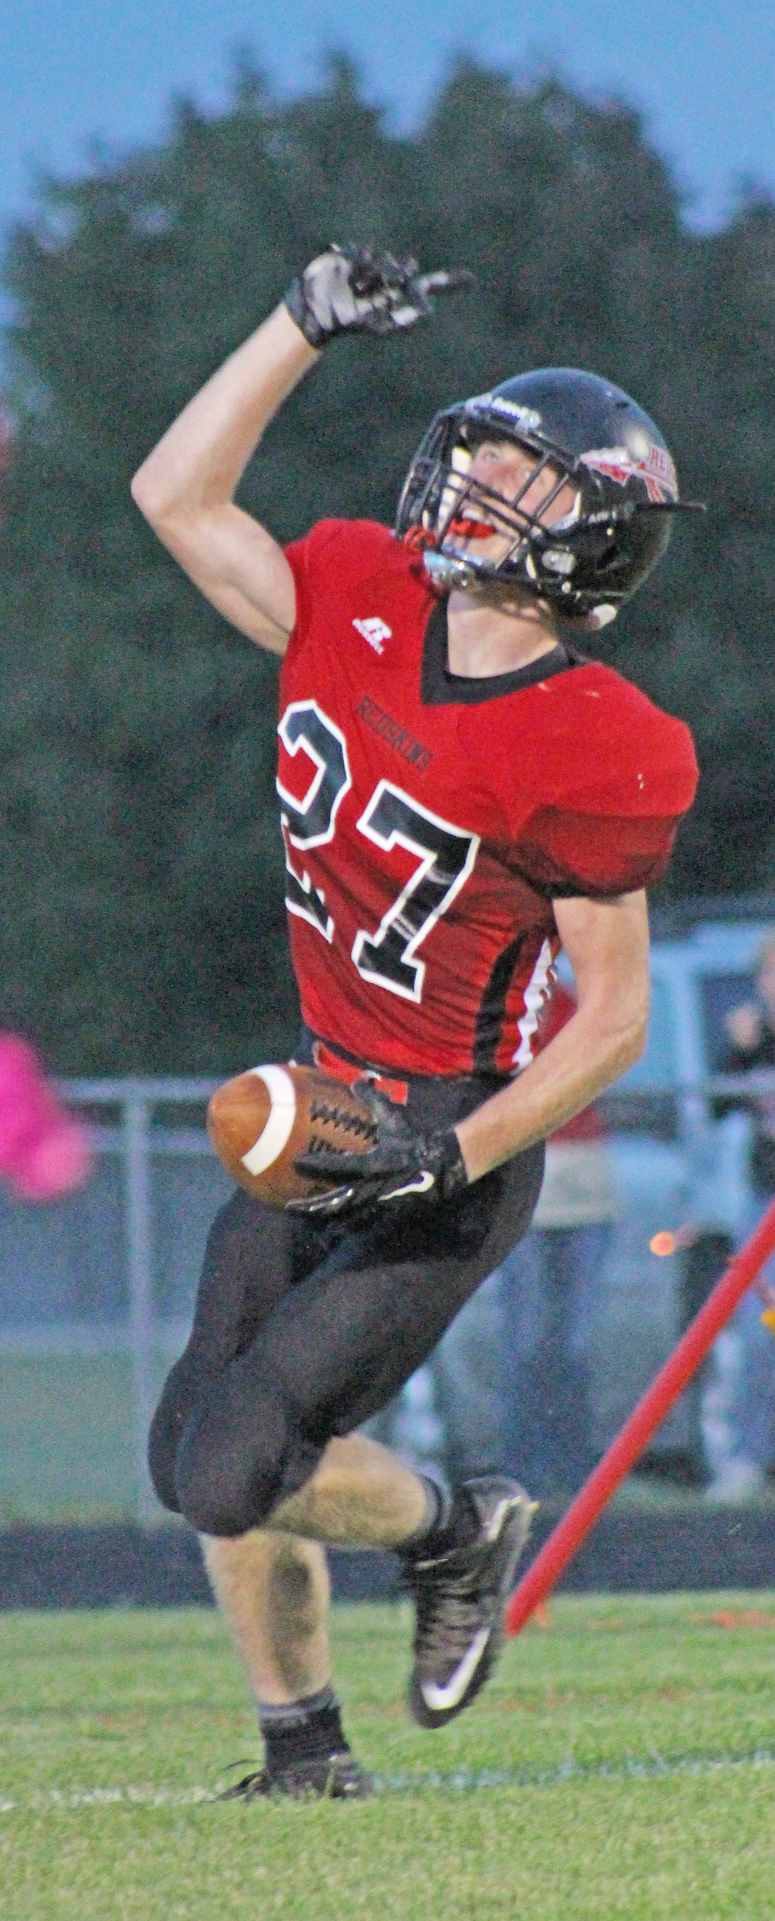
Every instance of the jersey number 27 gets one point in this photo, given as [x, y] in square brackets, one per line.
[445, 854]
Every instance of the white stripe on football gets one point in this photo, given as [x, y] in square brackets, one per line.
[259, 1121]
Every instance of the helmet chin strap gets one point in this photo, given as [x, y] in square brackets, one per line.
[447, 571]
[597, 618]
[450, 572]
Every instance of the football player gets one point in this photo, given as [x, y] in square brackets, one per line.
[461, 791]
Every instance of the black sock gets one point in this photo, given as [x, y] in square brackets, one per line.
[456, 1525]
[303, 1730]
[438, 1508]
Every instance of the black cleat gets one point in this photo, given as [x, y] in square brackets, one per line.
[460, 1597]
[325, 1777]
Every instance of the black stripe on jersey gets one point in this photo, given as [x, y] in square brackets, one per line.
[488, 1032]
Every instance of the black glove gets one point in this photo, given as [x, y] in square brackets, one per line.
[401, 1166]
[353, 289]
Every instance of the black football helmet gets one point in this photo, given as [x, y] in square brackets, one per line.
[589, 434]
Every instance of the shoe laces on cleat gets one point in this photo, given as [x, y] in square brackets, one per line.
[455, 1604]
[333, 1777]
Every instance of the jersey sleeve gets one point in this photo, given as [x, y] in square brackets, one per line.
[328, 557]
[309, 560]
[612, 826]
[564, 855]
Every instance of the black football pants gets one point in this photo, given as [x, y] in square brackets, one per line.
[302, 1331]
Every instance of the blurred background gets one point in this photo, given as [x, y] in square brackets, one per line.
[164, 172]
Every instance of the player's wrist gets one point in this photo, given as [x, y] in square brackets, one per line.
[479, 1151]
[299, 309]
[444, 1158]
[322, 300]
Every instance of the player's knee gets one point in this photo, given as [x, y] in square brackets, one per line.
[161, 1466]
[229, 1470]
[163, 1439]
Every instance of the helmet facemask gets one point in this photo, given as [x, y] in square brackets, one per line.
[539, 558]
[470, 510]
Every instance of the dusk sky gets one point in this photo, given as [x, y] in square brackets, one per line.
[703, 72]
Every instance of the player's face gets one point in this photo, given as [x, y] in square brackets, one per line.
[505, 468]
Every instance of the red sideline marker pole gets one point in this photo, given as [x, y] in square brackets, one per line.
[545, 1570]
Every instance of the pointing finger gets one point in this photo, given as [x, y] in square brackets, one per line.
[445, 280]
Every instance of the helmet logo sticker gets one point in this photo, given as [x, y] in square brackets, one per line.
[655, 468]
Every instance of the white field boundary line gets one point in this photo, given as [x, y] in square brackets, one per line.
[52, 1799]
[463, 1781]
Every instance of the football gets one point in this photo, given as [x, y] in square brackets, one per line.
[259, 1121]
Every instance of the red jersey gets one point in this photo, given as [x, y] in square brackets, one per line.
[430, 820]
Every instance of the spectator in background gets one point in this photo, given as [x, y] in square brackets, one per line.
[750, 1356]
[546, 1295]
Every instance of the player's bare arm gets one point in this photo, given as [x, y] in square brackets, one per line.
[607, 944]
[186, 487]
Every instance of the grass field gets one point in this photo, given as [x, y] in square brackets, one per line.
[621, 1763]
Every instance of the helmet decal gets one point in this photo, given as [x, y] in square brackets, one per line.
[654, 467]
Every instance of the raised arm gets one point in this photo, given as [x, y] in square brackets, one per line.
[186, 487]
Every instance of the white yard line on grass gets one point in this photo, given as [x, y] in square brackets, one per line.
[463, 1781]
[108, 1797]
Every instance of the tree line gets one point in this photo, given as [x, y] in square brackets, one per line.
[142, 922]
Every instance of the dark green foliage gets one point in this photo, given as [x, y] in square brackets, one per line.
[143, 925]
